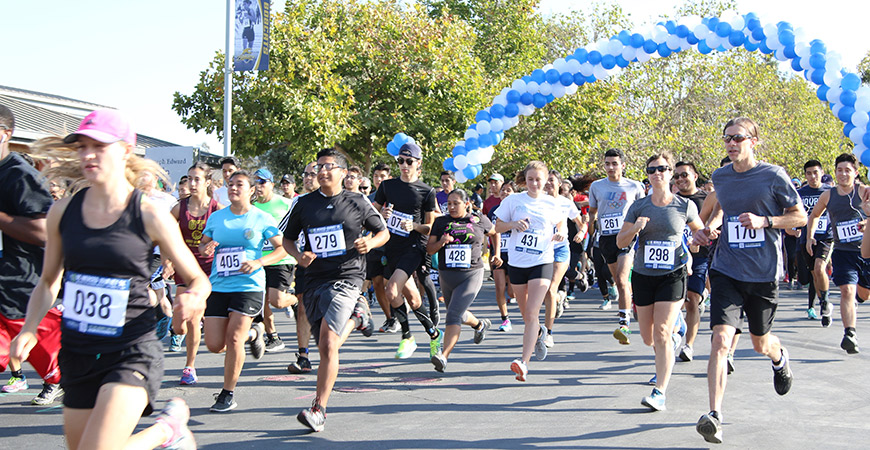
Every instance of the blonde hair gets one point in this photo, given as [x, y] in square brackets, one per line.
[665, 155]
[520, 179]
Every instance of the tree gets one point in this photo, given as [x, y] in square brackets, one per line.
[864, 69]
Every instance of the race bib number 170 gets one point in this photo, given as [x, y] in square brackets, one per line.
[742, 237]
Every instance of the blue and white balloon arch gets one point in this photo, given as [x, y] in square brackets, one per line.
[848, 99]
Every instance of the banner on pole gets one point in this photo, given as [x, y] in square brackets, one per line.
[253, 24]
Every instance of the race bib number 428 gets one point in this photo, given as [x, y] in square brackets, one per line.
[95, 305]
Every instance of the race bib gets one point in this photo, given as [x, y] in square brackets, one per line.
[228, 261]
[503, 242]
[327, 241]
[848, 231]
[822, 227]
[742, 237]
[659, 254]
[394, 223]
[95, 305]
[436, 279]
[611, 223]
[267, 247]
[531, 242]
[687, 234]
[458, 256]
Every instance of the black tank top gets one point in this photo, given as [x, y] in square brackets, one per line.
[844, 211]
[104, 261]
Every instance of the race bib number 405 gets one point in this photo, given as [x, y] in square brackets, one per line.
[848, 231]
[611, 224]
[659, 254]
[394, 223]
[742, 237]
[457, 256]
[228, 261]
[95, 305]
[327, 241]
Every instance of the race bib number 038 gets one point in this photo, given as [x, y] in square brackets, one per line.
[742, 237]
[228, 261]
[394, 223]
[95, 305]
[611, 224]
[327, 241]
[848, 231]
[659, 254]
[458, 256]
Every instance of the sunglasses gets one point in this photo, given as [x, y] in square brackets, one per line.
[738, 138]
[681, 175]
[261, 181]
[653, 169]
[407, 161]
[364, 188]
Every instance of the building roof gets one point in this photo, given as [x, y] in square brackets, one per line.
[48, 98]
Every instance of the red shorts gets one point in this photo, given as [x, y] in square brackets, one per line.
[43, 357]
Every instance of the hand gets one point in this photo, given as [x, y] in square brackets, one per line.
[362, 245]
[751, 221]
[521, 225]
[811, 242]
[188, 305]
[306, 259]
[578, 238]
[446, 239]
[861, 225]
[168, 270]
[407, 225]
[640, 223]
[387, 211]
[703, 236]
[22, 344]
[250, 266]
[209, 248]
[865, 202]
[495, 261]
[560, 236]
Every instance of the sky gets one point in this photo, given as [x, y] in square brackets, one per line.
[133, 55]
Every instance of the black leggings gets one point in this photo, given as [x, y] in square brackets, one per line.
[601, 270]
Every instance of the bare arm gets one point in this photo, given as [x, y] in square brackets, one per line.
[30, 230]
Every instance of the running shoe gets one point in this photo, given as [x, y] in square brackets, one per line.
[653, 381]
[439, 361]
[826, 310]
[480, 335]
[435, 344]
[566, 303]
[686, 353]
[176, 343]
[302, 365]
[681, 325]
[314, 417]
[622, 335]
[540, 345]
[811, 314]
[583, 284]
[605, 305]
[612, 292]
[710, 427]
[406, 348]
[569, 295]
[163, 327]
[257, 345]
[850, 343]
[729, 360]
[655, 401]
[390, 325]
[676, 340]
[188, 376]
[362, 312]
[274, 343]
[560, 308]
[223, 403]
[288, 312]
[548, 341]
[702, 307]
[15, 384]
[49, 393]
[506, 326]
[175, 416]
[520, 369]
[512, 301]
[782, 378]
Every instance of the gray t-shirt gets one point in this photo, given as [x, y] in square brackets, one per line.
[765, 190]
[612, 200]
[660, 245]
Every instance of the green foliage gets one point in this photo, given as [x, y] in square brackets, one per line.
[864, 69]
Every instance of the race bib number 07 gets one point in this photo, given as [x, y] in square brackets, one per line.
[742, 237]
[394, 223]
[95, 305]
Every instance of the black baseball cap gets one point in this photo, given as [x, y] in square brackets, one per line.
[230, 160]
[288, 179]
[411, 149]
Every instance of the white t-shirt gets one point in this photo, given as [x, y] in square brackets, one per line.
[534, 246]
[220, 194]
[568, 209]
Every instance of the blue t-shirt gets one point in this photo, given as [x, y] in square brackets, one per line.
[239, 238]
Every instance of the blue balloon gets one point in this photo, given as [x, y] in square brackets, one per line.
[579, 79]
[736, 38]
[786, 37]
[818, 77]
[865, 157]
[866, 141]
[664, 51]
[459, 150]
[692, 39]
[550, 98]
[540, 101]
[594, 57]
[526, 78]
[764, 48]
[682, 31]
[671, 26]
[511, 110]
[582, 55]
[513, 96]
[624, 37]
[472, 144]
[400, 139]
[749, 46]
[591, 79]
[448, 165]
[471, 172]
[566, 79]
[608, 61]
[796, 64]
[621, 62]
[552, 76]
[758, 34]
[485, 140]
[753, 23]
[496, 111]
[712, 23]
[526, 99]
[538, 76]
[817, 46]
[789, 52]
[783, 26]
[723, 29]
[851, 82]
[847, 128]
[845, 113]
[650, 46]
[392, 149]
[721, 48]
[703, 48]
[817, 60]
[637, 40]
[848, 98]
[482, 115]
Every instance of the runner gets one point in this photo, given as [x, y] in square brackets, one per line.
[500, 271]
[495, 182]
[303, 328]
[658, 279]
[376, 259]
[815, 262]
[459, 238]
[235, 237]
[577, 243]
[843, 204]
[192, 214]
[23, 208]
[333, 221]
[288, 186]
[229, 165]
[353, 179]
[609, 199]
[448, 184]
[409, 206]
[757, 199]
[101, 240]
[535, 222]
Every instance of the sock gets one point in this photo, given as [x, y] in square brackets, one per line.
[272, 335]
[504, 317]
[225, 392]
[549, 331]
[303, 352]
[717, 415]
[17, 373]
[779, 364]
[401, 314]
[423, 317]
[658, 390]
[624, 318]
[860, 300]
[479, 324]
[851, 331]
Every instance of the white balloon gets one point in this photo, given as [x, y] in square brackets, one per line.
[496, 125]
[661, 35]
[460, 161]
[519, 85]
[460, 177]
[684, 44]
[701, 30]
[726, 44]
[773, 43]
[560, 65]
[836, 109]
[863, 102]
[483, 127]
[601, 45]
[833, 94]
[469, 134]
[780, 55]
[573, 66]
[614, 47]
[805, 63]
[800, 34]
[832, 80]
[504, 91]
[859, 149]
[559, 91]
[643, 56]
[532, 87]
[571, 90]
[500, 99]
[586, 69]
[860, 119]
[600, 72]
[486, 154]
[857, 135]
[737, 22]
[473, 157]
[770, 30]
[527, 110]
[833, 66]
[802, 50]
[546, 89]
[714, 41]
[629, 53]
[547, 67]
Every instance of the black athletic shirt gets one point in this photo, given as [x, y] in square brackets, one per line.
[698, 198]
[24, 194]
[121, 251]
[810, 196]
[468, 233]
[410, 199]
[331, 225]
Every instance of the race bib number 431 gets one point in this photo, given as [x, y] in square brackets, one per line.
[95, 305]
[531, 242]
[742, 237]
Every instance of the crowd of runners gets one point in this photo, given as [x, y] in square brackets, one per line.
[90, 239]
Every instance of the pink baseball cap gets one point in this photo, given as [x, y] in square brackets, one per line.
[104, 125]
